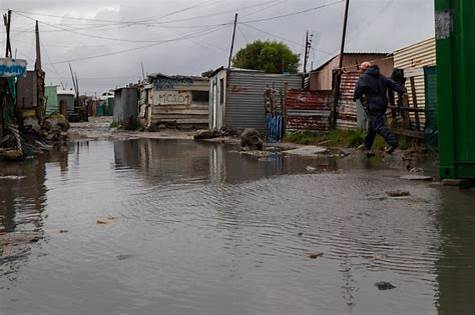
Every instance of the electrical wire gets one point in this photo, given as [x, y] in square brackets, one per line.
[188, 36]
[283, 38]
[295, 13]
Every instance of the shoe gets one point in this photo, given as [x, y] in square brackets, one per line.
[368, 153]
[391, 149]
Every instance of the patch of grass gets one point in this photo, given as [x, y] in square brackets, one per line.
[114, 124]
[404, 143]
[343, 138]
[347, 138]
[305, 137]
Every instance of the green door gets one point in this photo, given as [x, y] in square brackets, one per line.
[455, 25]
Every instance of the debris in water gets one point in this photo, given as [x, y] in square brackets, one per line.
[416, 170]
[309, 150]
[383, 285]
[107, 220]
[124, 257]
[398, 193]
[12, 177]
[315, 255]
[417, 177]
[310, 169]
[300, 234]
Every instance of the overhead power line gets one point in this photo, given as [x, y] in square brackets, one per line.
[284, 38]
[295, 13]
[157, 23]
[187, 36]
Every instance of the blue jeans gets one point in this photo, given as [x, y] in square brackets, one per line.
[377, 125]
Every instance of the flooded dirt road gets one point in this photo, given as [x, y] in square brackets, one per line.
[195, 228]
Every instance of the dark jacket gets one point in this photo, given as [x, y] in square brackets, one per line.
[375, 86]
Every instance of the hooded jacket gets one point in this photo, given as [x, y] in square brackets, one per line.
[375, 86]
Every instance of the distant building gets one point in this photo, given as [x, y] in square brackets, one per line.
[126, 107]
[322, 78]
[237, 96]
[66, 102]
[180, 101]
[414, 58]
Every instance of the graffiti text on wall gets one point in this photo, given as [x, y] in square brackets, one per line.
[173, 98]
[170, 84]
[12, 67]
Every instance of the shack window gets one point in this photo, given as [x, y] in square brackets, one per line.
[221, 91]
[200, 96]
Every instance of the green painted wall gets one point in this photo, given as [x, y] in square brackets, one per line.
[455, 25]
[51, 95]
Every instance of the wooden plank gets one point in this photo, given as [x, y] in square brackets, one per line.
[408, 133]
[414, 103]
[407, 109]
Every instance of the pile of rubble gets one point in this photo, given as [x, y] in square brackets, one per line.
[19, 143]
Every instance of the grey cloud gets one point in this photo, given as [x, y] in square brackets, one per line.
[374, 25]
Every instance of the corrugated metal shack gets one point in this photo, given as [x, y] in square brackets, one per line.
[308, 110]
[66, 102]
[347, 116]
[414, 58]
[126, 107]
[179, 101]
[237, 97]
[322, 77]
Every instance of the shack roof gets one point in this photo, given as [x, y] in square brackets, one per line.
[382, 54]
[212, 73]
[154, 76]
[66, 92]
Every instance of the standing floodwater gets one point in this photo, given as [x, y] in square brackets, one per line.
[200, 229]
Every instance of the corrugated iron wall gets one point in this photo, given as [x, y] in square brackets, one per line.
[347, 111]
[245, 106]
[308, 110]
[418, 55]
[177, 104]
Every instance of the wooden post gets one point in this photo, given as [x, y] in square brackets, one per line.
[392, 102]
[306, 54]
[284, 110]
[40, 106]
[232, 41]
[406, 118]
[337, 79]
[414, 103]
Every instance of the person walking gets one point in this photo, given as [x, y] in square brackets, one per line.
[373, 87]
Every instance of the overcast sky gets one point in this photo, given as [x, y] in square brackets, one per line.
[107, 40]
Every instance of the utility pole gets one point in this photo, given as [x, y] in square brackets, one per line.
[232, 41]
[143, 72]
[38, 50]
[7, 18]
[40, 76]
[338, 72]
[343, 37]
[308, 46]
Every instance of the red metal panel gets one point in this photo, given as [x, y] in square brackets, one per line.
[308, 110]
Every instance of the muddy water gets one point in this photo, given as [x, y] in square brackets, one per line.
[201, 229]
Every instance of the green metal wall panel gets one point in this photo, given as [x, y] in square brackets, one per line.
[431, 125]
[455, 22]
[51, 96]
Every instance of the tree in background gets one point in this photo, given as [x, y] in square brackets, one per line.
[268, 56]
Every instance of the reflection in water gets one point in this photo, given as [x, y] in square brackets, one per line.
[22, 202]
[171, 160]
[203, 229]
[456, 266]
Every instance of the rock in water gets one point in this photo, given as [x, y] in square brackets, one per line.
[398, 193]
[251, 140]
[383, 285]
